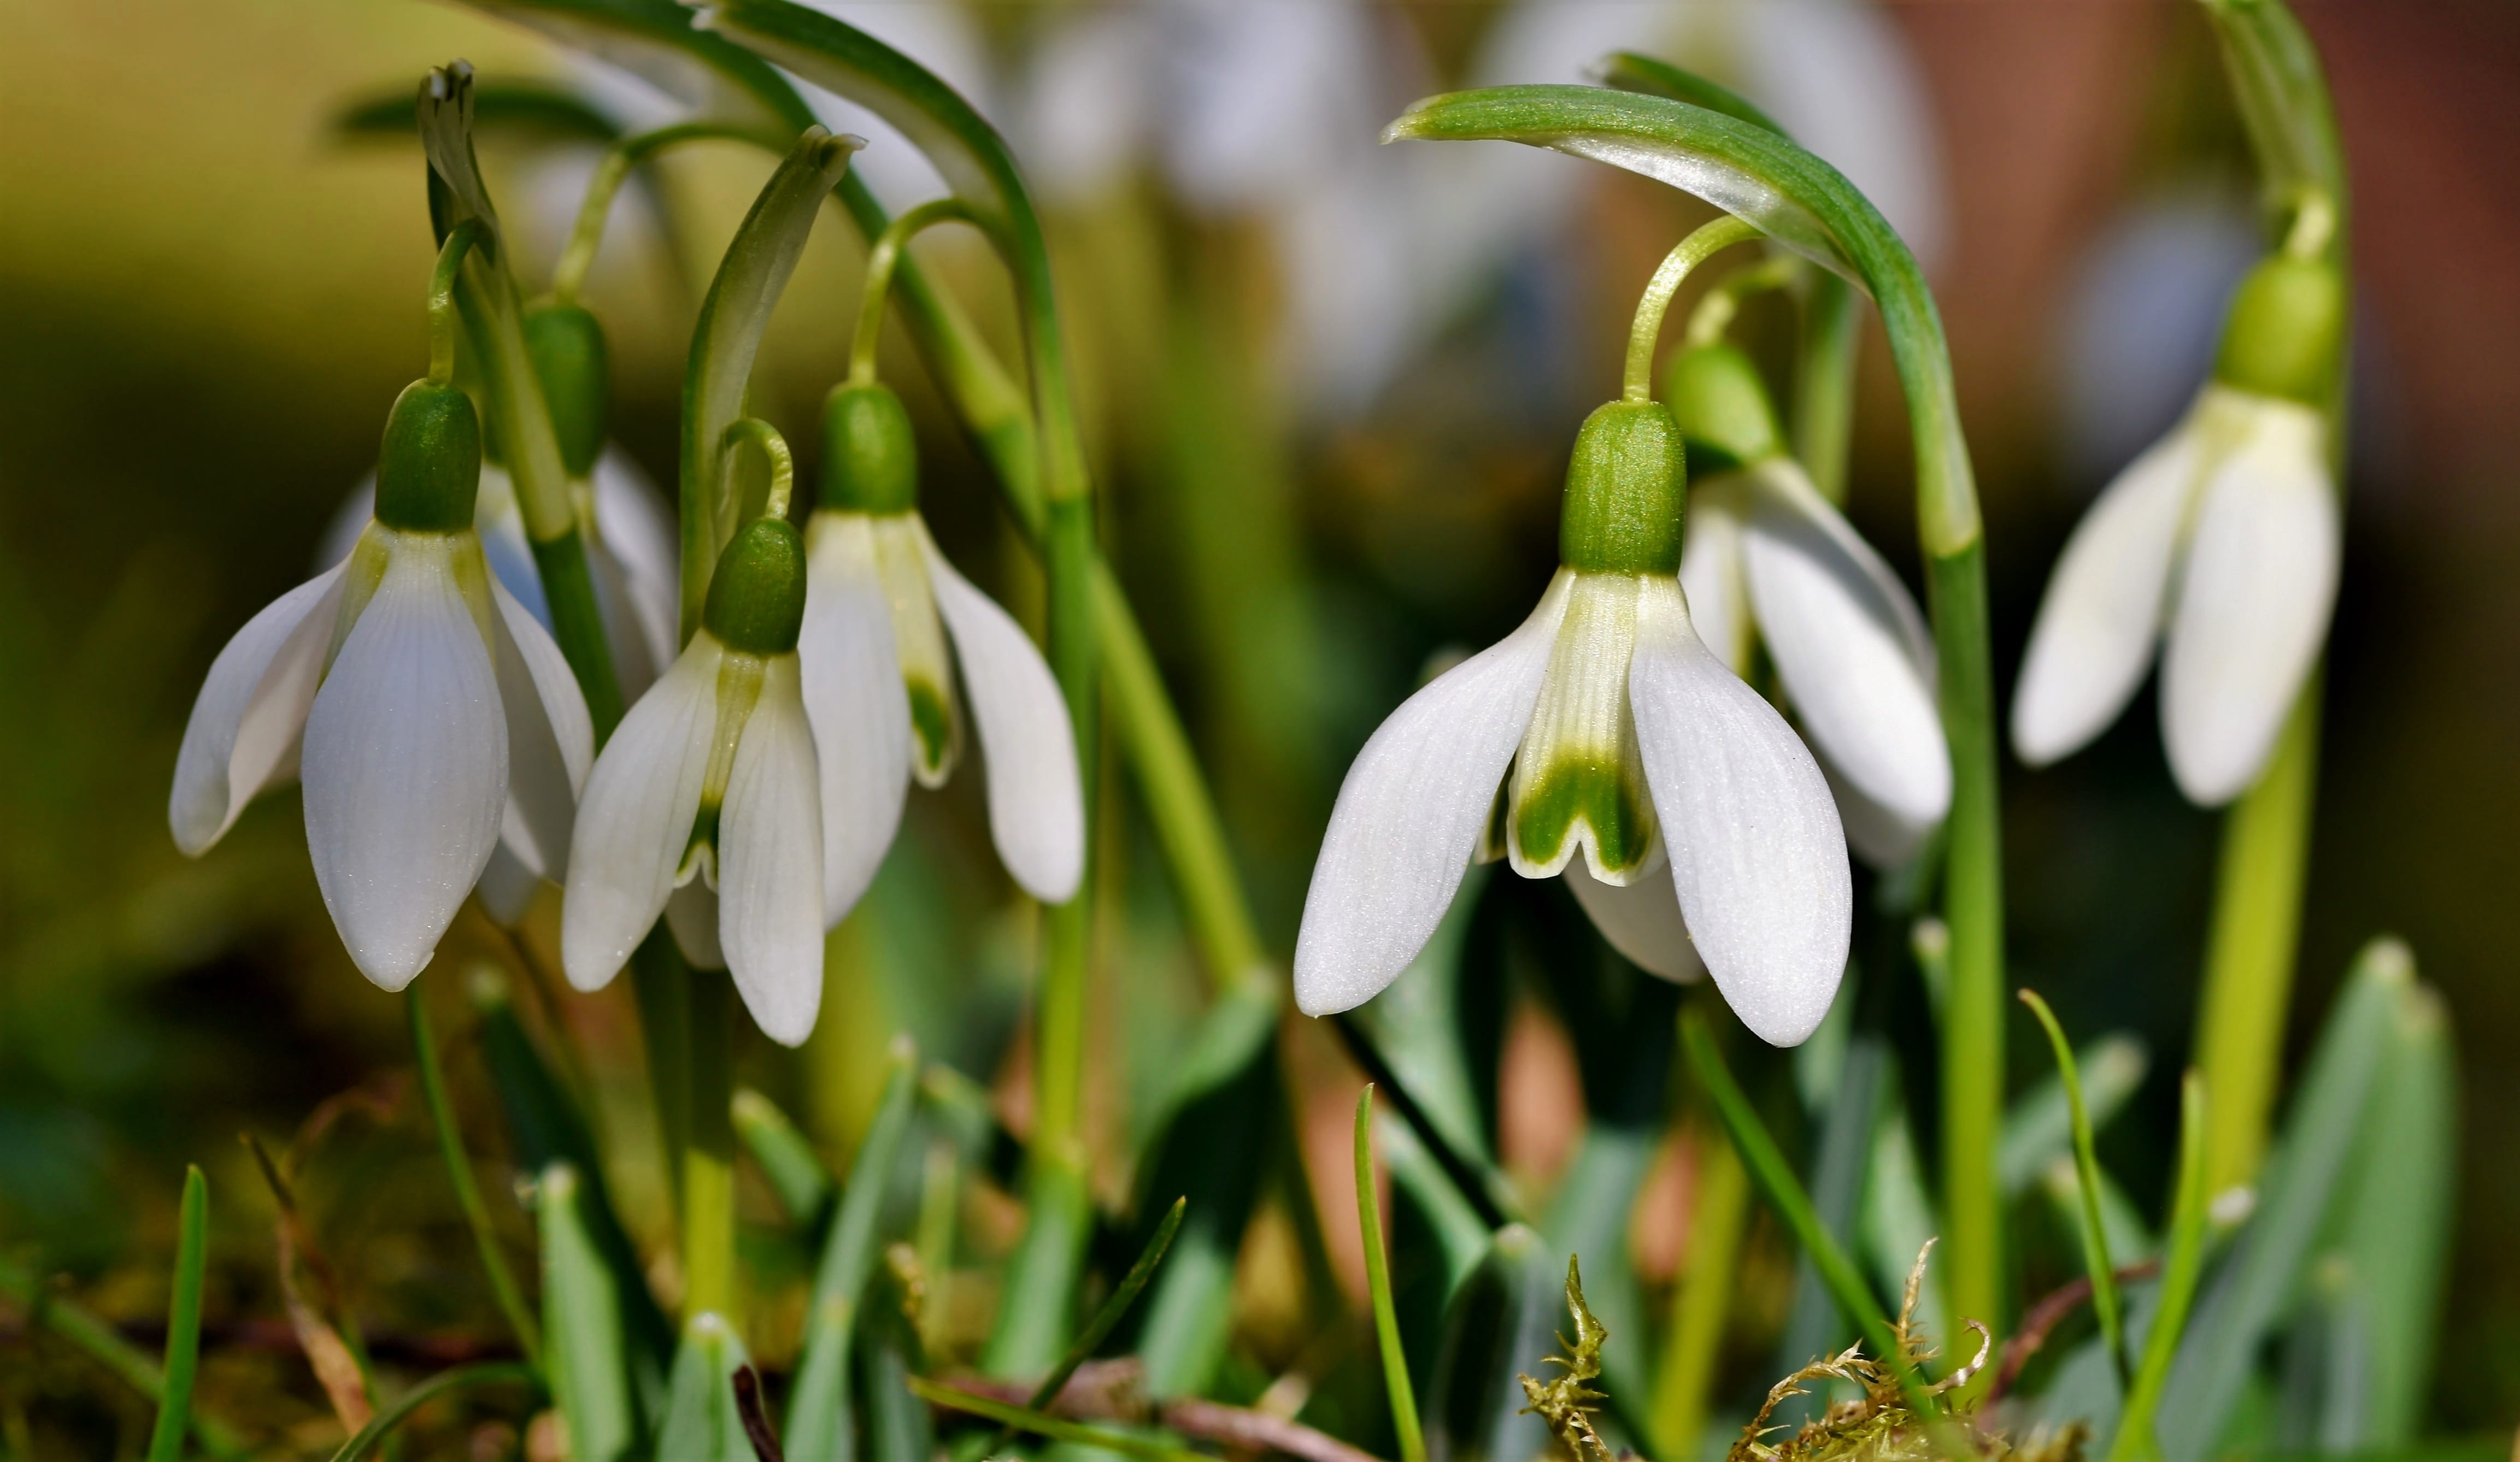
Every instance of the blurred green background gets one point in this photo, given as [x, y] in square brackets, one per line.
[209, 296]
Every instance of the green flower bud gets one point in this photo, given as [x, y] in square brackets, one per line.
[870, 457]
[1624, 492]
[2285, 332]
[430, 468]
[757, 600]
[1721, 406]
[575, 370]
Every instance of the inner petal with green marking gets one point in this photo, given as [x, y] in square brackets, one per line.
[918, 639]
[1578, 780]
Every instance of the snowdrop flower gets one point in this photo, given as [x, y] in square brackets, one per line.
[1602, 740]
[879, 687]
[711, 778]
[2222, 542]
[1768, 558]
[426, 711]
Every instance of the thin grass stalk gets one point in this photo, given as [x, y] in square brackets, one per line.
[2135, 1441]
[460, 1377]
[459, 1174]
[1377, 1282]
[183, 1322]
[1702, 1302]
[2086, 1172]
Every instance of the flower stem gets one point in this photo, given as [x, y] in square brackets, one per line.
[883, 258]
[459, 1173]
[568, 276]
[764, 438]
[1722, 302]
[708, 1152]
[1377, 1281]
[444, 320]
[2249, 952]
[1824, 408]
[1684, 256]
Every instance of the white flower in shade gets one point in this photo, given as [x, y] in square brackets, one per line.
[2221, 544]
[430, 717]
[880, 678]
[704, 804]
[1768, 559]
[1602, 739]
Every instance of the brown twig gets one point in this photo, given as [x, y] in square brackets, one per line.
[756, 1421]
[2044, 1317]
[1112, 1390]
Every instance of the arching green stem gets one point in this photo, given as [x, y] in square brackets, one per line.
[780, 464]
[882, 260]
[1722, 301]
[445, 320]
[586, 235]
[1655, 302]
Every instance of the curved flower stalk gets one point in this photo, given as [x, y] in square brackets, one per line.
[710, 786]
[1768, 559]
[1602, 740]
[430, 716]
[882, 609]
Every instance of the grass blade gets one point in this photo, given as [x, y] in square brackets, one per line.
[183, 1322]
[796, 1176]
[2087, 1167]
[1103, 1320]
[1378, 1279]
[2038, 1128]
[2396, 1218]
[819, 1413]
[459, 1173]
[2134, 1438]
[460, 1377]
[1040, 1424]
[589, 1358]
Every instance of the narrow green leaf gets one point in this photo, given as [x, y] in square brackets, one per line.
[2267, 1265]
[2039, 1129]
[1588, 1219]
[820, 1420]
[657, 41]
[794, 1172]
[1054, 1429]
[1899, 1218]
[183, 1320]
[589, 1356]
[1378, 1280]
[1476, 1177]
[2395, 1223]
[526, 110]
[2178, 1275]
[898, 1427]
[702, 1423]
[460, 1377]
[1630, 70]
[2087, 1167]
[2283, 93]
[1131, 1283]
[1502, 1319]
[458, 1174]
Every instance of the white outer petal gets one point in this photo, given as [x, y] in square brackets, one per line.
[1710, 567]
[1641, 920]
[501, 523]
[1036, 799]
[2255, 596]
[550, 740]
[856, 703]
[770, 862]
[1410, 814]
[2093, 640]
[638, 531]
[636, 817]
[1757, 853]
[405, 766]
[506, 888]
[1852, 650]
[691, 915]
[245, 725]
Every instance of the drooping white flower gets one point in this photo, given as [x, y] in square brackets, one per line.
[1605, 740]
[882, 610]
[2222, 544]
[704, 804]
[1768, 559]
[428, 714]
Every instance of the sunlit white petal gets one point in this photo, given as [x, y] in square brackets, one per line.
[770, 862]
[242, 734]
[1410, 815]
[1850, 647]
[635, 820]
[2255, 594]
[1710, 567]
[1757, 853]
[1036, 800]
[1640, 921]
[551, 743]
[855, 701]
[406, 760]
[2093, 638]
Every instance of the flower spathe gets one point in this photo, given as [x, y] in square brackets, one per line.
[430, 717]
[2222, 544]
[710, 786]
[1691, 822]
[886, 622]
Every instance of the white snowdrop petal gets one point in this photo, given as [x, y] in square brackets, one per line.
[343, 529]
[643, 543]
[2255, 596]
[635, 818]
[690, 916]
[406, 763]
[1851, 649]
[1036, 799]
[1640, 921]
[1757, 853]
[1710, 567]
[1410, 815]
[500, 522]
[506, 888]
[245, 725]
[2093, 640]
[550, 740]
[770, 862]
[856, 704]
